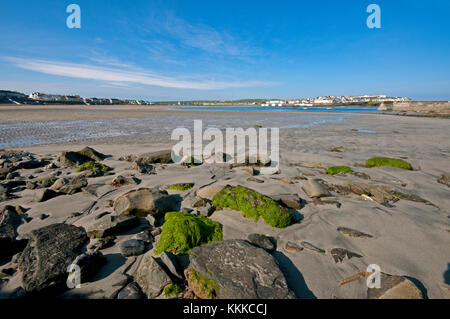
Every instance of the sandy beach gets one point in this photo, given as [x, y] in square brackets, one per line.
[409, 234]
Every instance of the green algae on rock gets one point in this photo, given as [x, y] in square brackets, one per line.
[253, 205]
[181, 187]
[386, 161]
[172, 289]
[182, 231]
[92, 166]
[338, 169]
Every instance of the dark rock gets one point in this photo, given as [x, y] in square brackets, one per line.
[142, 168]
[262, 241]
[239, 270]
[49, 252]
[9, 221]
[112, 225]
[69, 186]
[144, 201]
[172, 264]
[122, 181]
[100, 243]
[44, 194]
[89, 264]
[132, 247]
[339, 254]
[145, 236]
[29, 164]
[93, 154]
[131, 291]
[161, 157]
[73, 158]
[43, 216]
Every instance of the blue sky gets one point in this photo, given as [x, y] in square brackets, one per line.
[196, 49]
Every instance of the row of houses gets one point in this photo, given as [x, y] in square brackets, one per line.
[329, 100]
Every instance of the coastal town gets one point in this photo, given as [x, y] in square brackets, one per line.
[13, 97]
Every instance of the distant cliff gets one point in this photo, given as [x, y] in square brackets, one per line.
[426, 107]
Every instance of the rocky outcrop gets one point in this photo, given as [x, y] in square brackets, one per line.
[262, 241]
[151, 277]
[235, 269]
[208, 192]
[73, 158]
[428, 107]
[145, 201]
[50, 250]
[93, 154]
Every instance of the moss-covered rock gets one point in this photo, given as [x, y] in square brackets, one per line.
[183, 231]
[203, 287]
[253, 205]
[338, 169]
[181, 187]
[172, 289]
[386, 161]
[93, 166]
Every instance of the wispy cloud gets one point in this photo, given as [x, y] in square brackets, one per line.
[118, 75]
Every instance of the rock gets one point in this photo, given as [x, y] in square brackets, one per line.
[43, 216]
[131, 291]
[145, 201]
[50, 250]
[29, 164]
[89, 264]
[290, 246]
[151, 220]
[199, 202]
[121, 181]
[44, 194]
[162, 157]
[288, 200]
[208, 192]
[142, 168]
[318, 201]
[92, 189]
[312, 164]
[444, 179]
[262, 241]
[235, 269]
[73, 158]
[156, 232]
[268, 171]
[310, 246]
[9, 221]
[338, 149]
[69, 186]
[255, 180]
[313, 189]
[93, 154]
[361, 175]
[151, 277]
[206, 210]
[112, 225]
[99, 244]
[145, 236]
[353, 233]
[395, 287]
[172, 264]
[132, 247]
[339, 254]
